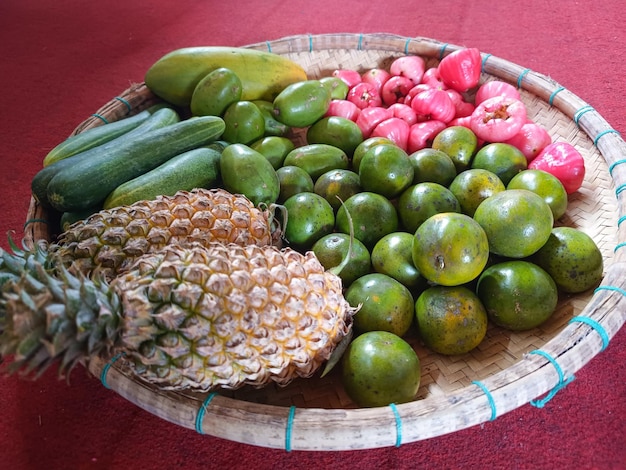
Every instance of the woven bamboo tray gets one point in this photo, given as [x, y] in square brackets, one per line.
[506, 371]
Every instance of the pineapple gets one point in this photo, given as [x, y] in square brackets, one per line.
[187, 317]
[109, 241]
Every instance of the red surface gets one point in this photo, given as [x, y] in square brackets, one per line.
[61, 60]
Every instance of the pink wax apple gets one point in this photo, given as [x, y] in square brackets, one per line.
[394, 129]
[498, 119]
[460, 70]
[376, 77]
[410, 66]
[563, 161]
[343, 108]
[364, 95]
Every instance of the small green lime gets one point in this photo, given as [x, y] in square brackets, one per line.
[380, 368]
[386, 304]
[309, 218]
[332, 249]
[572, 258]
[518, 295]
[473, 186]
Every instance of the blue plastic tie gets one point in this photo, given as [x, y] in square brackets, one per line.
[492, 402]
[614, 164]
[406, 46]
[310, 43]
[521, 77]
[202, 410]
[596, 326]
[622, 218]
[618, 246]
[554, 93]
[619, 190]
[561, 384]
[398, 424]
[122, 100]
[443, 50]
[105, 369]
[607, 131]
[578, 114]
[292, 413]
[360, 43]
[102, 118]
[269, 46]
[484, 61]
[34, 221]
[611, 288]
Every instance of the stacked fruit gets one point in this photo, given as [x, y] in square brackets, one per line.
[432, 196]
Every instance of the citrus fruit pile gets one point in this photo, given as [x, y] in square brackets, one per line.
[443, 237]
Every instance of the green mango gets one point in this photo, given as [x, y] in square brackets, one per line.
[301, 104]
[337, 131]
[338, 88]
[246, 171]
[274, 148]
[317, 159]
[244, 123]
[272, 126]
[215, 92]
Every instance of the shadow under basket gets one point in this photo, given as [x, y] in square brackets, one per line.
[507, 370]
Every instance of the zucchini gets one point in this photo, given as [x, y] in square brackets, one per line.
[197, 168]
[164, 116]
[89, 182]
[94, 137]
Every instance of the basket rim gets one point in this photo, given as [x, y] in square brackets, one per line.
[533, 376]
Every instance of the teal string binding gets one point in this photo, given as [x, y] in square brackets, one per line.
[269, 46]
[442, 51]
[611, 288]
[105, 369]
[34, 221]
[484, 61]
[398, 424]
[122, 100]
[596, 326]
[360, 43]
[202, 410]
[521, 77]
[406, 46]
[603, 133]
[102, 118]
[578, 114]
[614, 164]
[288, 432]
[622, 218]
[310, 43]
[561, 384]
[554, 93]
[492, 402]
[618, 246]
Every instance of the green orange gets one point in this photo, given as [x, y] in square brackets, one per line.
[450, 249]
[380, 368]
[385, 304]
[450, 319]
[517, 222]
[518, 295]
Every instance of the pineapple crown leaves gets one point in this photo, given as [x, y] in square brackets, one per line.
[47, 314]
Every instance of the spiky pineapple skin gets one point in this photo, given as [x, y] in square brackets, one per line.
[227, 316]
[108, 242]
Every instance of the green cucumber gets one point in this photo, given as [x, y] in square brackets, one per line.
[197, 168]
[94, 137]
[162, 117]
[89, 182]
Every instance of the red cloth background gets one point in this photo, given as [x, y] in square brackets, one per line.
[61, 60]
